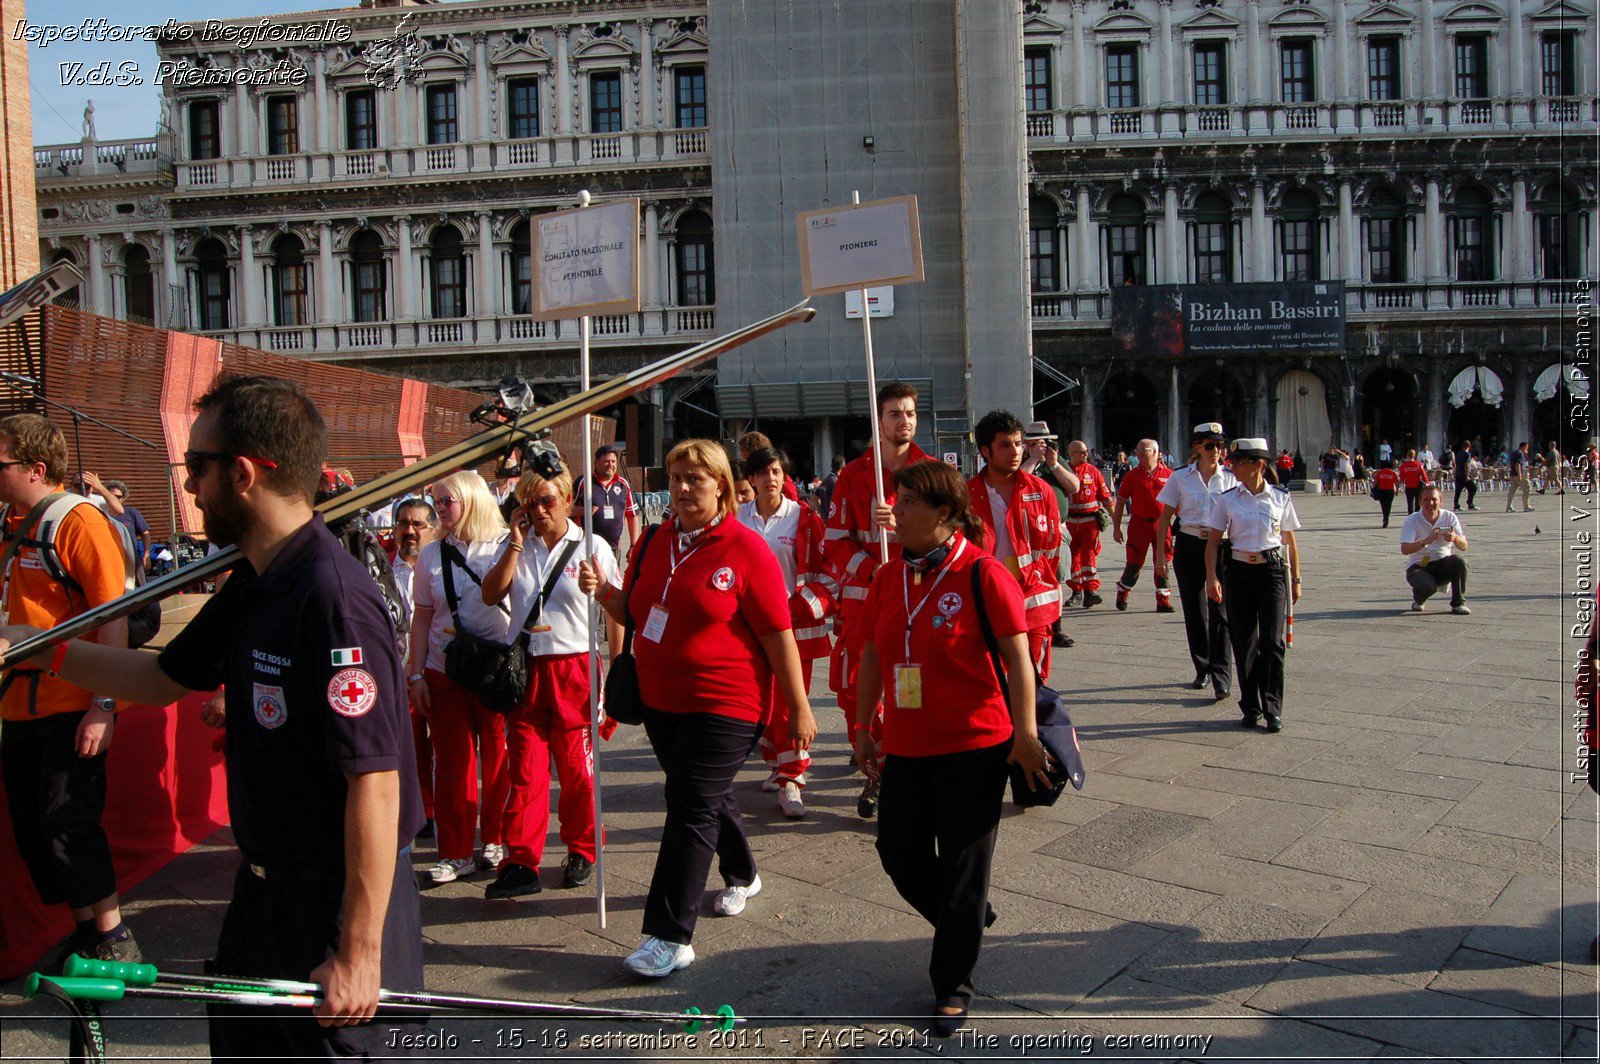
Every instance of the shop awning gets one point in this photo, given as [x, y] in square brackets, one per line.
[1550, 380]
[1480, 379]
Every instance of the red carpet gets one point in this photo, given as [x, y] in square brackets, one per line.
[167, 791]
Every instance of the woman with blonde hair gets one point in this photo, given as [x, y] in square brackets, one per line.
[538, 568]
[710, 610]
[468, 738]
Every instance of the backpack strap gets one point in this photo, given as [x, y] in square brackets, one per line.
[989, 638]
[549, 585]
[451, 558]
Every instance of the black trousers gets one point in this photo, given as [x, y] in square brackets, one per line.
[56, 800]
[1426, 580]
[701, 754]
[283, 929]
[1204, 622]
[937, 821]
[1258, 600]
[1413, 495]
[1385, 501]
[1471, 488]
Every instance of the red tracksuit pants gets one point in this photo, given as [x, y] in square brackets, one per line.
[552, 721]
[1141, 538]
[782, 756]
[466, 736]
[1084, 539]
[842, 666]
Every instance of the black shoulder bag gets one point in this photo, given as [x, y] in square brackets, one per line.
[497, 672]
[1056, 732]
[623, 703]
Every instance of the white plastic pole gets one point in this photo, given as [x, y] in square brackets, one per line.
[594, 642]
[872, 397]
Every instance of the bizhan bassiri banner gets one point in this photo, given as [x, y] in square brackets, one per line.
[1214, 319]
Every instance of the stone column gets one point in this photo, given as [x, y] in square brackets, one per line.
[1263, 408]
[98, 300]
[1086, 98]
[319, 78]
[483, 121]
[405, 108]
[1260, 234]
[170, 278]
[1521, 222]
[1088, 244]
[1088, 411]
[327, 276]
[649, 288]
[1519, 88]
[249, 281]
[1521, 400]
[1174, 430]
[647, 77]
[1172, 244]
[1433, 233]
[405, 268]
[562, 73]
[1429, 44]
[1344, 89]
[488, 291]
[248, 141]
[1165, 57]
[1255, 60]
[1438, 419]
[1349, 238]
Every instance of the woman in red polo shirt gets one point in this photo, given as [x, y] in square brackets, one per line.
[1414, 477]
[711, 619]
[947, 732]
[1384, 483]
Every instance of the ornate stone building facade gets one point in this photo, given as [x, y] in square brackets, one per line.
[1437, 157]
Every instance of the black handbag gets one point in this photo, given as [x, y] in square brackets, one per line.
[497, 672]
[1056, 732]
[623, 703]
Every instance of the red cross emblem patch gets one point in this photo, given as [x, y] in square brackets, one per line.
[352, 692]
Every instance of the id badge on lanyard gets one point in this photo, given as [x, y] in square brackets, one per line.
[908, 686]
[655, 625]
[908, 676]
[541, 642]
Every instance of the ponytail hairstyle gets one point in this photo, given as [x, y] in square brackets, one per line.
[940, 485]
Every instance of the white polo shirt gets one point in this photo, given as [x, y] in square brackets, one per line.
[781, 532]
[1254, 523]
[566, 612]
[1418, 528]
[1192, 496]
[483, 621]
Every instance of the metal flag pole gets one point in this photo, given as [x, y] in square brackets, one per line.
[872, 397]
[594, 641]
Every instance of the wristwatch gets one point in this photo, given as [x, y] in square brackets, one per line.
[106, 705]
[414, 677]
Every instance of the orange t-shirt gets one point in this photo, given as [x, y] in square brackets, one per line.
[89, 549]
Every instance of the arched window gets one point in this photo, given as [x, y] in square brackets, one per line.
[448, 264]
[1386, 246]
[140, 285]
[697, 285]
[211, 263]
[1213, 242]
[521, 269]
[289, 286]
[366, 270]
[1125, 258]
[1560, 226]
[1301, 243]
[1474, 235]
[1044, 246]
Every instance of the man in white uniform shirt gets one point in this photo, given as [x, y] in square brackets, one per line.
[1430, 539]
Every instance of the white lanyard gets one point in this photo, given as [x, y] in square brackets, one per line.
[905, 589]
[674, 561]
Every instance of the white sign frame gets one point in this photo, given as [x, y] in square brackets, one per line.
[860, 245]
[601, 237]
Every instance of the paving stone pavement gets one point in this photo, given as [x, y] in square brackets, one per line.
[1407, 871]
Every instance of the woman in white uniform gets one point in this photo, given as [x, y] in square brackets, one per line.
[1188, 495]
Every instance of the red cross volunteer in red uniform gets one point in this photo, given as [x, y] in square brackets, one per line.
[1021, 526]
[1083, 526]
[854, 521]
[1139, 488]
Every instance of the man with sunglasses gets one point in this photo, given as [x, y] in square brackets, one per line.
[322, 788]
[53, 757]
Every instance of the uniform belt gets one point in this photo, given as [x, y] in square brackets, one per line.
[307, 874]
[1251, 557]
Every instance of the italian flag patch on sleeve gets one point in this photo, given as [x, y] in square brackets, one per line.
[346, 657]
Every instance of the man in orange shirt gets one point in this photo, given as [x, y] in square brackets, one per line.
[53, 754]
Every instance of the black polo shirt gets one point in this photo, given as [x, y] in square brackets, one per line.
[315, 690]
[612, 504]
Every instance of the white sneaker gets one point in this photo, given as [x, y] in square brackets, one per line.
[772, 783]
[731, 901]
[1463, 608]
[789, 800]
[656, 957]
[493, 854]
[448, 871]
[1417, 607]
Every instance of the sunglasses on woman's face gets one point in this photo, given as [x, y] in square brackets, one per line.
[1211, 445]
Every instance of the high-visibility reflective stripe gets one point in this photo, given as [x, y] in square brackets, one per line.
[1024, 560]
[838, 533]
[817, 609]
[789, 757]
[855, 592]
[1050, 555]
[1043, 598]
[802, 634]
[855, 562]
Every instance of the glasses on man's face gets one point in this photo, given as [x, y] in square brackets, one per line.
[4, 465]
[411, 524]
[195, 461]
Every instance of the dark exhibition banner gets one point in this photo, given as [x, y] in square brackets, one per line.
[1218, 319]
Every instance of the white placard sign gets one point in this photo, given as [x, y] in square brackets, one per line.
[880, 300]
[860, 246]
[586, 261]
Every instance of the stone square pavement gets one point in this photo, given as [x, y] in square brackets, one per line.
[1407, 871]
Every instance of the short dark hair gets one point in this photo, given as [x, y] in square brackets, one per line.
[895, 390]
[416, 503]
[271, 418]
[941, 485]
[995, 423]
[762, 458]
[604, 450]
[838, 462]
